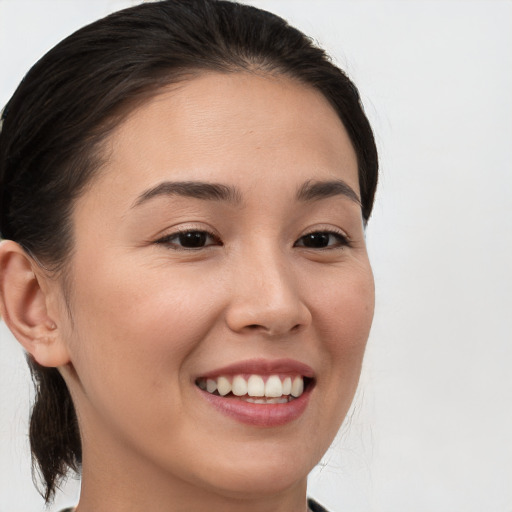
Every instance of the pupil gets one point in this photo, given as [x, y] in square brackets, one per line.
[192, 239]
[317, 240]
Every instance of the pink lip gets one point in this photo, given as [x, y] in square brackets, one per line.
[263, 367]
[261, 415]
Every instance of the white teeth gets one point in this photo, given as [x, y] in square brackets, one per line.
[255, 386]
[287, 386]
[223, 386]
[239, 386]
[297, 386]
[211, 385]
[273, 386]
[280, 400]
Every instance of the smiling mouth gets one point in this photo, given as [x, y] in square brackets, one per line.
[256, 389]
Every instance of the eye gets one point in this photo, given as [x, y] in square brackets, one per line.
[189, 239]
[323, 240]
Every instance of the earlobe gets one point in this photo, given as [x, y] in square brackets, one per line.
[23, 305]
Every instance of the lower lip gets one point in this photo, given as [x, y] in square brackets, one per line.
[261, 415]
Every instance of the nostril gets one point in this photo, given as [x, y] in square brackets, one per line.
[271, 330]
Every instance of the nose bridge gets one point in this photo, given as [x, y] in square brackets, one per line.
[266, 293]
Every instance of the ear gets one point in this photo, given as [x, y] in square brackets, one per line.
[24, 298]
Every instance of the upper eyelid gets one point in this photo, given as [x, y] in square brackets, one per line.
[330, 230]
[346, 241]
[182, 231]
[166, 239]
[215, 236]
[176, 230]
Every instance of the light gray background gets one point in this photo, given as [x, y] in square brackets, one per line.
[430, 429]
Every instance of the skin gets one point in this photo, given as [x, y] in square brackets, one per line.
[145, 316]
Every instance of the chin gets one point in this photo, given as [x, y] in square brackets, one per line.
[265, 472]
[264, 481]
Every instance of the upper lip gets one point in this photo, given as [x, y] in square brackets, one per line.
[263, 367]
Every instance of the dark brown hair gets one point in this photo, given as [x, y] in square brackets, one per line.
[71, 100]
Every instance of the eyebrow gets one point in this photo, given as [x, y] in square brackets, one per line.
[194, 189]
[309, 191]
[315, 190]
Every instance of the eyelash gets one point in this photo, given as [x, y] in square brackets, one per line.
[342, 239]
[167, 240]
[202, 235]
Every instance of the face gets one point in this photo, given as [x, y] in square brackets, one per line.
[220, 247]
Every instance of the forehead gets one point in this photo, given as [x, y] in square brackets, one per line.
[240, 128]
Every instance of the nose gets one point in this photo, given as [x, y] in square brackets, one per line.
[266, 297]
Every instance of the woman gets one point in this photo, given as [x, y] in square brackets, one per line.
[184, 191]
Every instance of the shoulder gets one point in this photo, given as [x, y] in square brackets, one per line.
[314, 506]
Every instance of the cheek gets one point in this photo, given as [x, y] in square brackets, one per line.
[344, 306]
[344, 311]
[133, 338]
[159, 302]
[130, 328]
